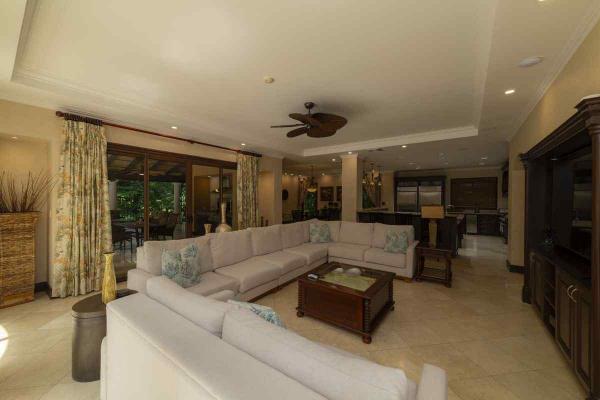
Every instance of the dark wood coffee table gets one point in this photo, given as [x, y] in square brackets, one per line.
[356, 310]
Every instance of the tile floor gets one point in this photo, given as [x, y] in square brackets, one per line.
[492, 345]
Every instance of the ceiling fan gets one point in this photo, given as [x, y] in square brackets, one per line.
[316, 125]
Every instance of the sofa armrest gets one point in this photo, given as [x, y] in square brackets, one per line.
[223, 295]
[103, 367]
[136, 279]
[411, 260]
[433, 384]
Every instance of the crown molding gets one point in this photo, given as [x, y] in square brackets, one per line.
[583, 29]
[412, 138]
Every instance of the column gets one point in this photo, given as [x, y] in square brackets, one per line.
[112, 194]
[351, 186]
[176, 195]
[269, 189]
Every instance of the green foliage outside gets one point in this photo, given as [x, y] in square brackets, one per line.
[130, 199]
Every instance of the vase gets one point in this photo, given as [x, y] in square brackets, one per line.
[207, 228]
[109, 282]
[223, 227]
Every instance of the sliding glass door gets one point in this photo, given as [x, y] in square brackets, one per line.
[156, 195]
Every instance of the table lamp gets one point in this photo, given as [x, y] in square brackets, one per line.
[433, 213]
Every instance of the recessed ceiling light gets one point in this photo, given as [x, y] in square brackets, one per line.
[174, 127]
[530, 61]
[333, 159]
[141, 174]
[418, 167]
[411, 163]
[292, 174]
[243, 144]
[14, 137]
[484, 157]
[349, 152]
[404, 146]
[269, 79]
[510, 91]
[322, 173]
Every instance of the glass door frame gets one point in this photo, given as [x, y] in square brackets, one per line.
[188, 160]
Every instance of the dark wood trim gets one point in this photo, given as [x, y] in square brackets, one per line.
[147, 132]
[127, 149]
[515, 268]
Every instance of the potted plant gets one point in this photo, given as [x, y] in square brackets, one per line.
[20, 202]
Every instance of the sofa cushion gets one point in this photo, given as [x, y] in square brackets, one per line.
[356, 233]
[202, 311]
[211, 283]
[310, 251]
[182, 266]
[347, 250]
[379, 256]
[331, 374]
[251, 273]
[266, 240]
[284, 260]
[292, 235]
[380, 230]
[230, 247]
[153, 253]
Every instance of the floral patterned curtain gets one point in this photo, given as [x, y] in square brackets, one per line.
[83, 214]
[247, 189]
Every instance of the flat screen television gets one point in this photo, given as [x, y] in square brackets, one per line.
[576, 231]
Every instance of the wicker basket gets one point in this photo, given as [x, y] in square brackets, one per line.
[17, 258]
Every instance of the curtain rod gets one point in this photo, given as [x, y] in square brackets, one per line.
[66, 115]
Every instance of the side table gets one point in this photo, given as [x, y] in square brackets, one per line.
[443, 275]
[89, 328]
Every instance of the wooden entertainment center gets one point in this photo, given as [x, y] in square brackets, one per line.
[562, 239]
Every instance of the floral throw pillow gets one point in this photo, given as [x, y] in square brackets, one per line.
[182, 266]
[319, 233]
[266, 313]
[396, 242]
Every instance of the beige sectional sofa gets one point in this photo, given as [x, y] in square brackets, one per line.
[254, 261]
[172, 344]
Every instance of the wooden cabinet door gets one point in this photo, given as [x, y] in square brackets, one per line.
[537, 282]
[565, 311]
[582, 335]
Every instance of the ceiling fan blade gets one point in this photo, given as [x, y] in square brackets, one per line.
[307, 119]
[286, 126]
[297, 132]
[320, 132]
[332, 121]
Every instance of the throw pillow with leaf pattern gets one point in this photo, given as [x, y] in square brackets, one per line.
[396, 242]
[182, 266]
[319, 233]
[266, 313]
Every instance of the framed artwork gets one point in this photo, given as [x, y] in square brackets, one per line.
[338, 194]
[326, 193]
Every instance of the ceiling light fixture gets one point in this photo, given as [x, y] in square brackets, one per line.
[174, 127]
[349, 152]
[510, 91]
[14, 137]
[404, 146]
[484, 157]
[312, 185]
[322, 173]
[530, 61]
[269, 79]
[243, 144]
[333, 159]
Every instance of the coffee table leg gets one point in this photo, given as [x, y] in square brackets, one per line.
[299, 314]
[366, 339]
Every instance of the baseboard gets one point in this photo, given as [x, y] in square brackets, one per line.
[515, 268]
[41, 287]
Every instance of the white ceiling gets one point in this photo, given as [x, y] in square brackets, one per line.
[426, 73]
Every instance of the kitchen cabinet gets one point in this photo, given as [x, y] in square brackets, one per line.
[565, 314]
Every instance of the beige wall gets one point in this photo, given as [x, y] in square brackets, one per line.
[351, 186]
[291, 184]
[579, 78]
[457, 173]
[44, 128]
[19, 157]
[269, 190]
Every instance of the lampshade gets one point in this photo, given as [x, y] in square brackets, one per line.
[432, 212]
